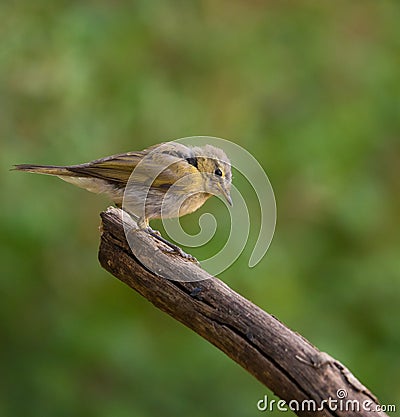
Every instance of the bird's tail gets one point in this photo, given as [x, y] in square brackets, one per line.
[44, 169]
[79, 175]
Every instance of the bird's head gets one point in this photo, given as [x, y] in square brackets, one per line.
[215, 168]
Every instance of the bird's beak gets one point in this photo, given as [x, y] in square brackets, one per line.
[226, 194]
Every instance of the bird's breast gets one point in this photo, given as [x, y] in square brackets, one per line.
[193, 202]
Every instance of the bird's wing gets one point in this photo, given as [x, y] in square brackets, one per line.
[116, 168]
[162, 164]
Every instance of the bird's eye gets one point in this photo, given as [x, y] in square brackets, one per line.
[218, 172]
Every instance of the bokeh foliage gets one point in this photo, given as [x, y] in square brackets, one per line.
[312, 89]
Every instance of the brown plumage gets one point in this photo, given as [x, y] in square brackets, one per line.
[166, 180]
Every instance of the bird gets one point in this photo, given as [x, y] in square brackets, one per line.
[166, 180]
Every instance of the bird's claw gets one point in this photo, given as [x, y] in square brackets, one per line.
[153, 232]
[172, 248]
[176, 249]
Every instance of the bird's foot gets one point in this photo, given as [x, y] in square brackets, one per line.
[153, 232]
[172, 246]
[182, 253]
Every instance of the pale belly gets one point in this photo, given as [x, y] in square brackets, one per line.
[145, 203]
[164, 205]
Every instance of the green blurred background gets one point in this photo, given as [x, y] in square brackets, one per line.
[312, 89]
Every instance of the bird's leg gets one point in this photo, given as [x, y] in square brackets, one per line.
[133, 216]
[143, 224]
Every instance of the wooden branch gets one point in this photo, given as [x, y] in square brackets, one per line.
[281, 359]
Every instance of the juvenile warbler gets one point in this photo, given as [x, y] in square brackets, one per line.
[168, 180]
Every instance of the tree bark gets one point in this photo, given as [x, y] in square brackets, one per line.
[281, 359]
